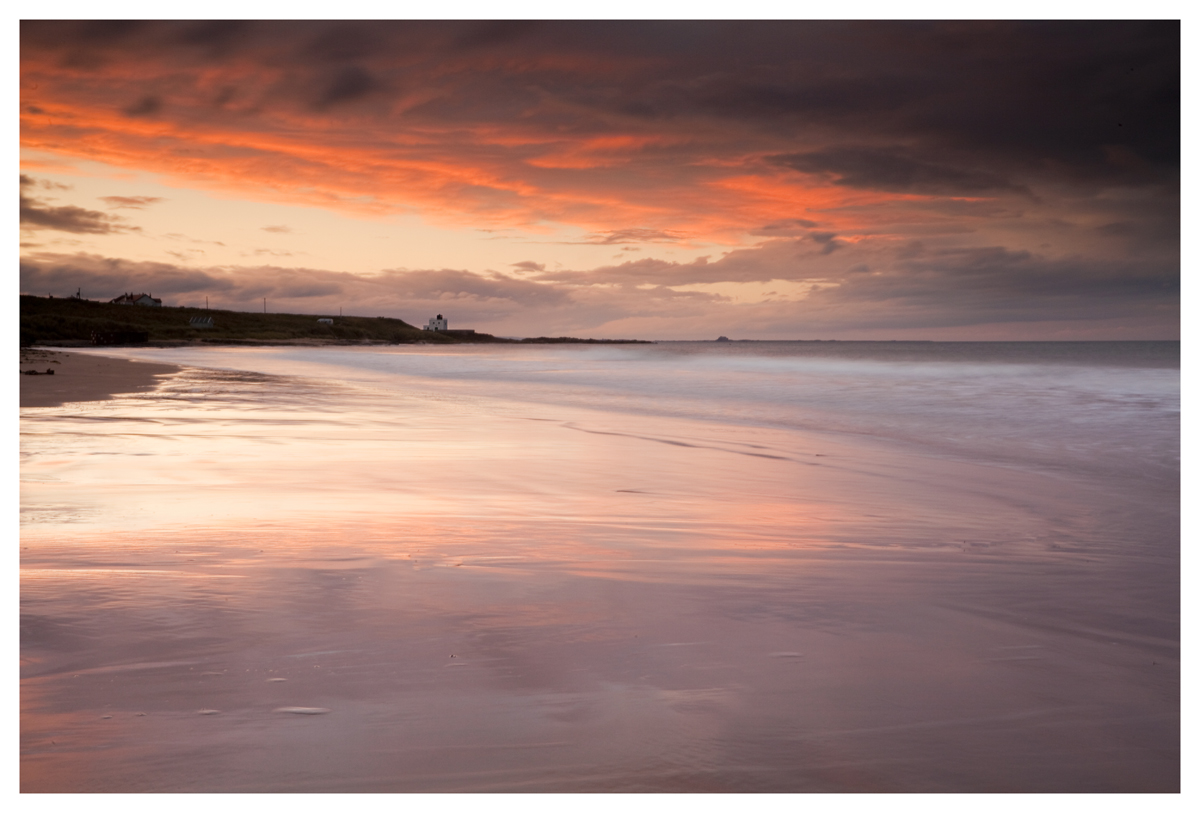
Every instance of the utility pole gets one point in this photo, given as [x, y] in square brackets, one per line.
[264, 304]
[206, 303]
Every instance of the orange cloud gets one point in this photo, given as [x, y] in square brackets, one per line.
[685, 177]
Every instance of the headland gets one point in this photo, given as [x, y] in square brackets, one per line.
[73, 322]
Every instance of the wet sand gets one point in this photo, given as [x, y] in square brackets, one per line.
[78, 377]
[246, 583]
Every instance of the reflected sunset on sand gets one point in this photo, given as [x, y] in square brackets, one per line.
[482, 593]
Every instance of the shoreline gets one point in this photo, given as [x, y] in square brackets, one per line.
[79, 378]
[66, 344]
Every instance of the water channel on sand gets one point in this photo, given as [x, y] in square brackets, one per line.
[351, 574]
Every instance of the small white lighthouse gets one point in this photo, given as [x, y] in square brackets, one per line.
[438, 322]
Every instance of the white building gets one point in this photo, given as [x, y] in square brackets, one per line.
[137, 299]
[325, 321]
[439, 322]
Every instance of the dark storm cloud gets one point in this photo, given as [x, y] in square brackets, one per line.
[346, 85]
[224, 96]
[114, 32]
[989, 285]
[1021, 93]
[217, 36]
[890, 169]
[145, 106]
[1118, 229]
[35, 214]
[994, 286]
[496, 32]
[914, 285]
[996, 277]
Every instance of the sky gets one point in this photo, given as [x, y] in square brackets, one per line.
[656, 180]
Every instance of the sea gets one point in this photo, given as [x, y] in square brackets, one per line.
[684, 567]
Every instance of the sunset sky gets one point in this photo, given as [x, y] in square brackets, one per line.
[659, 180]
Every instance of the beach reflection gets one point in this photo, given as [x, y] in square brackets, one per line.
[479, 594]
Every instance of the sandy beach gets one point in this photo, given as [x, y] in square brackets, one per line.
[496, 570]
[79, 377]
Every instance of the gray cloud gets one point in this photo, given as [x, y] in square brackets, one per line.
[784, 259]
[1053, 95]
[27, 182]
[633, 236]
[278, 229]
[146, 106]
[177, 236]
[448, 284]
[48, 272]
[347, 85]
[893, 170]
[786, 228]
[396, 287]
[133, 202]
[187, 254]
[1017, 294]
[827, 240]
[36, 214]
[910, 286]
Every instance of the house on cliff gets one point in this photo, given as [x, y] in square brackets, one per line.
[137, 299]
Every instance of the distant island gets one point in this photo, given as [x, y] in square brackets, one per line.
[76, 322]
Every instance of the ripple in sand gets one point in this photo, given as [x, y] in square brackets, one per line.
[303, 710]
[787, 654]
[276, 680]
[208, 711]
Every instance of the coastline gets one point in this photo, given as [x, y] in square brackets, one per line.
[83, 377]
[482, 338]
